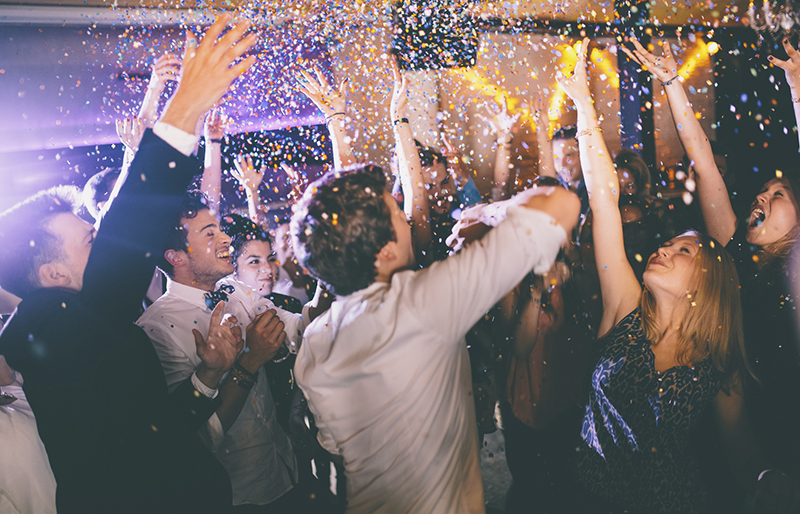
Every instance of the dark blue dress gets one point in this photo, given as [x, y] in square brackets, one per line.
[633, 450]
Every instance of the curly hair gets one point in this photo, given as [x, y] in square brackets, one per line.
[340, 226]
[25, 242]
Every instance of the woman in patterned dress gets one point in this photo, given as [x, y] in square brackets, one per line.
[666, 353]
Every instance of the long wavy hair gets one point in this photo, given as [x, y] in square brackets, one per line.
[711, 321]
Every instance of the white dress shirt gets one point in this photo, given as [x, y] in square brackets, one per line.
[387, 377]
[255, 451]
[27, 484]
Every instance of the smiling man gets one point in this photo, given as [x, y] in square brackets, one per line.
[244, 432]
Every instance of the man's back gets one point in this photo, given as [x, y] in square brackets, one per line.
[386, 372]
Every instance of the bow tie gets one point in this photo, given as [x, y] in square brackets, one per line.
[220, 295]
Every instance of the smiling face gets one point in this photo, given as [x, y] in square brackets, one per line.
[256, 266]
[671, 269]
[773, 214]
[208, 249]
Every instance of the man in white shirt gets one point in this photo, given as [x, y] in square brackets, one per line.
[26, 480]
[244, 432]
[385, 369]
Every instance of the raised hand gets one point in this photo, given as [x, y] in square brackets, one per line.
[316, 87]
[791, 66]
[397, 109]
[224, 342]
[576, 85]
[663, 68]
[214, 127]
[500, 121]
[295, 179]
[208, 71]
[246, 174]
[130, 132]
[167, 67]
[265, 335]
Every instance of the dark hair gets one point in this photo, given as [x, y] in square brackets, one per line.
[341, 225]
[25, 243]
[568, 132]
[194, 202]
[98, 188]
[633, 162]
[428, 156]
[242, 230]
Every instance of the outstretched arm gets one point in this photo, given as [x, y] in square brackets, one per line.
[792, 69]
[502, 125]
[332, 104]
[618, 283]
[714, 201]
[547, 166]
[211, 183]
[415, 195]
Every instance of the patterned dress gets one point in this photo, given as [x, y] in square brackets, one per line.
[636, 426]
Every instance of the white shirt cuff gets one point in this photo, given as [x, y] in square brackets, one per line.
[178, 139]
[202, 388]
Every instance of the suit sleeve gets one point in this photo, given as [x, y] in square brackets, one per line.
[133, 234]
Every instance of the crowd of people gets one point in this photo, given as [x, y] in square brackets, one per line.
[180, 356]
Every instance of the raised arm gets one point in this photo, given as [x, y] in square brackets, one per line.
[211, 183]
[547, 166]
[618, 284]
[167, 67]
[501, 124]
[714, 201]
[332, 104]
[130, 132]
[792, 69]
[415, 196]
[250, 179]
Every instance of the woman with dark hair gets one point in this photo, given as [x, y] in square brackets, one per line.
[666, 353]
[760, 245]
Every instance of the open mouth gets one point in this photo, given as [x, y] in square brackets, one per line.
[757, 217]
[224, 254]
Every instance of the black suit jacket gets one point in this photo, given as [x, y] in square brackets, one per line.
[116, 440]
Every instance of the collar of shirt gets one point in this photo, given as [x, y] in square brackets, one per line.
[193, 295]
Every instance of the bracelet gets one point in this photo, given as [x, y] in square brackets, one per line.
[237, 366]
[588, 131]
[399, 121]
[796, 100]
[329, 118]
[670, 81]
[216, 139]
[243, 383]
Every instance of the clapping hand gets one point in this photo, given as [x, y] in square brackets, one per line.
[265, 335]
[246, 174]
[663, 68]
[224, 342]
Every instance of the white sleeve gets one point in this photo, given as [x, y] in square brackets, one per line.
[453, 294]
[178, 139]
[293, 324]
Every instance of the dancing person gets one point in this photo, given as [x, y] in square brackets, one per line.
[665, 354]
[760, 246]
[115, 439]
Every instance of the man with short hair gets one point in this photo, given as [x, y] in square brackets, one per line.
[385, 369]
[244, 432]
[116, 440]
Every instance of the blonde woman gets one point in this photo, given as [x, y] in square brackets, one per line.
[666, 353]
